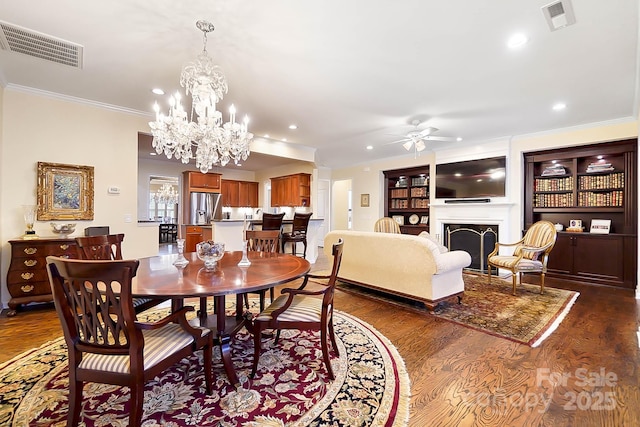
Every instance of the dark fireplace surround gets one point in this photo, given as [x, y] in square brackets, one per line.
[476, 239]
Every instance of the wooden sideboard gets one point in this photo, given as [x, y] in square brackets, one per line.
[27, 279]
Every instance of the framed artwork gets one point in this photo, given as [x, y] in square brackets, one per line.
[64, 192]
[364, 200]
[600, 226]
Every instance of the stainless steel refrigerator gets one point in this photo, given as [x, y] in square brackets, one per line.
[204, 207]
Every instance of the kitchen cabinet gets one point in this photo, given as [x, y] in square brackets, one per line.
[239, 194]
[585, 183]
[27, 279]
[201, 182]
[194, 234]
[291, 190]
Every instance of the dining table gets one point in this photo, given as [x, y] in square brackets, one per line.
[158, 277]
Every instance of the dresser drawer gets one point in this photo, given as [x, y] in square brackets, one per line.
[27, 250]
[23, 276]
[18, 290]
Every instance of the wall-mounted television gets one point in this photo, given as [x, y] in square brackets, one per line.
[472, 179]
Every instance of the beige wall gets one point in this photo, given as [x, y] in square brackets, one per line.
[39, 128]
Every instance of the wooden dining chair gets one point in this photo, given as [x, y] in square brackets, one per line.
[267, 241]
[105, 341]
[298, 232]
[530, 254]
[302, 309]
[109, 247]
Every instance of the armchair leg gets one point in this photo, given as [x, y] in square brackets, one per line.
[257, 348]
[489, 273]
[325, 352]
[332, 335]
[137, 397]
[515, 280]
[75, 400]
[542, 283]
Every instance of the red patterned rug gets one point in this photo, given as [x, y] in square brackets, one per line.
[290, 389]
[527, 318]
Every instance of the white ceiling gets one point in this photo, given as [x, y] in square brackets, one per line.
[349, 73]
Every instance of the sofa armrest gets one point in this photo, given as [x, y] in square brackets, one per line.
[452, 260]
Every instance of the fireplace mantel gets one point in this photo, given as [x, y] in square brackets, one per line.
[491, 213]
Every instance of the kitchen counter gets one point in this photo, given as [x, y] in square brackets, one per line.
[229, 231]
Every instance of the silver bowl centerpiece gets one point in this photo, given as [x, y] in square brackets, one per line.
[63, 229]
[210, 252]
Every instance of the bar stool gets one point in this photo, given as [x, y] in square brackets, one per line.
[272, 221]
[298, 232]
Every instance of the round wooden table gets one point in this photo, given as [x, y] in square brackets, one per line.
[158, 277]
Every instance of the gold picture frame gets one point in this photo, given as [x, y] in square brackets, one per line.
[364, 200]
[64, 192]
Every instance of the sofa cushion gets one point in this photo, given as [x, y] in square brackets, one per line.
[441, 249]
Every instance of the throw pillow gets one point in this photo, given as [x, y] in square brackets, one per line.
[441, 248]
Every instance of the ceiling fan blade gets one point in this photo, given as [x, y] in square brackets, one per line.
[440, 138]
[407, 145]
[428, 131]
[400, 140]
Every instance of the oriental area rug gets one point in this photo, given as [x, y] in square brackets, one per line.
[290, 389]
[527, 318]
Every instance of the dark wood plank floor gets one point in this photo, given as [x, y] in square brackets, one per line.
[584, 374]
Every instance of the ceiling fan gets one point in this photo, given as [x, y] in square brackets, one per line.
[416, 138]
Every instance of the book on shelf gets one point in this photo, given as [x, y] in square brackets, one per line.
[554, 170]
[599, 167]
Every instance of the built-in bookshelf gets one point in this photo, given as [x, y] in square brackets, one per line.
[407, 198]
[582, 184]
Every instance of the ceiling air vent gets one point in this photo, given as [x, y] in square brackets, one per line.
[559, 14]
[38, 45]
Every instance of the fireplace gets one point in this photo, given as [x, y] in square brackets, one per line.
[477, 239]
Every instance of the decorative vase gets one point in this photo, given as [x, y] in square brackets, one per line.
[29, 218]
[210, 252]
[181, 261]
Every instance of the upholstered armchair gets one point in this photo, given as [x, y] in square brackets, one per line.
[530, 254]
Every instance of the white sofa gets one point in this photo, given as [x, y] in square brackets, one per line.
[415, 267]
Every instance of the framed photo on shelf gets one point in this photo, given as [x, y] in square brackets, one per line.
[64, 192]
[424, 219]
[399, 219]
[600, 226]
[575, 223]
[364, 200]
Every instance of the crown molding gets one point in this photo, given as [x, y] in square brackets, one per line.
[76, 100]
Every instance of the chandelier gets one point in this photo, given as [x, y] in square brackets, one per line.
[215, 142]
[167, 194]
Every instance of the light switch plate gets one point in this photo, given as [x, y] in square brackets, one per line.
[113, 190]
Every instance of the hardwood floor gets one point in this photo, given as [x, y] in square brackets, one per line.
[585, 374]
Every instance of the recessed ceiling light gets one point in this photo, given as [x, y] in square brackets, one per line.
[293, 127]
[458, 139]
[284, 139]
[559, 106]
[517, 40]
[266, 135]
[369, 147]
[157, 91]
